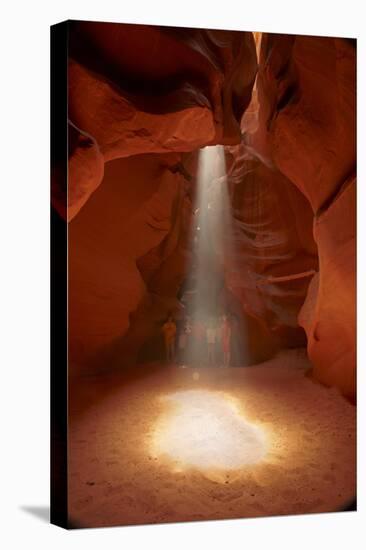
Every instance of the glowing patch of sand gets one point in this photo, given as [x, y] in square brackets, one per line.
[206, 430]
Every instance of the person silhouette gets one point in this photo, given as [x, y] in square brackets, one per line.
[226, 340]
[169, 330]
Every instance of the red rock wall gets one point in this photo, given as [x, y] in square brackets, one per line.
[329, 313]
[304, 127]
[139, 97]
[274, 253]
[126, 253]
[142, 101]
[137, 89]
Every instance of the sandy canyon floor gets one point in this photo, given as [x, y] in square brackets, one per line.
[167, 444]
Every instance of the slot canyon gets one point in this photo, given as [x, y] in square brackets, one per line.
[210, 172]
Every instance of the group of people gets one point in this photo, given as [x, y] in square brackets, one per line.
[198, 341]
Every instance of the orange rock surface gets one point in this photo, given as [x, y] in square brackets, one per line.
[142, 101]
[306, 129]
[137, 89]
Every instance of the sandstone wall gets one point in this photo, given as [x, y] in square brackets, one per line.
[142, 101]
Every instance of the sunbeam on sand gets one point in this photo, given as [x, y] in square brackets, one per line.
[206, 430]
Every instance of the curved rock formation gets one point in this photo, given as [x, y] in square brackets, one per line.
[304, 111]
[142, 101]
[138, 89]
[329, 313]
[126, 254]
[85, 173]
[274, 254]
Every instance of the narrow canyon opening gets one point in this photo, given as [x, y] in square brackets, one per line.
[211, 186]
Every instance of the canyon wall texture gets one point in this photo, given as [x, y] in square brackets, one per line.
[142, 101]
[118, 243]
[140, 98]
[137, 89]
[302, 123]
[274, 253]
